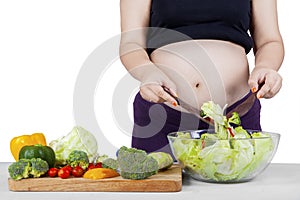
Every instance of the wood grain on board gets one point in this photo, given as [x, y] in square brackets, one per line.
[164, 181]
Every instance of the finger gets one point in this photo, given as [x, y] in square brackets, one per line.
[255, 81]
[161, 93]
[171, 88]
[148, 94]
[263, 90]
[275, 89]
[266, 86]
[277, 86]
[253, 85]
[270, 85]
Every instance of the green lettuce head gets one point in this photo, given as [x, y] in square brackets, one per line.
[77, 139]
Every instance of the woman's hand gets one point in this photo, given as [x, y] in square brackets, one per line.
[156, 94]
[151, 88]
[266, 82]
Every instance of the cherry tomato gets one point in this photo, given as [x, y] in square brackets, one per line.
[77, 171]
[98, 165]
[91, 166]
[68, 167]
[64, 173]
[52, 172]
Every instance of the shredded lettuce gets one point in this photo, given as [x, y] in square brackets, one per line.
[227, 154]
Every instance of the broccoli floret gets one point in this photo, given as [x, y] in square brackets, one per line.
[136, 164]
[20, 169]
[110, 163]
[38, 167]
[136, 176]
[26, 168]
[78, 158]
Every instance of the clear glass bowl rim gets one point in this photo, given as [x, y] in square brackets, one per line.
[173, 135]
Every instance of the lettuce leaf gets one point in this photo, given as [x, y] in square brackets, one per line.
[222, 156]
[77, 139]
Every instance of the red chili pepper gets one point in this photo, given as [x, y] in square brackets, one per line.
[230, 131]
[203, 144]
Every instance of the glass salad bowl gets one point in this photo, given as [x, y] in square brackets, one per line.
[206, 157]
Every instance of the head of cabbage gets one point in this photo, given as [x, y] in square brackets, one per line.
[77, 139]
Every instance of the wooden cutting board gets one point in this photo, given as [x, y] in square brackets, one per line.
[164, 181]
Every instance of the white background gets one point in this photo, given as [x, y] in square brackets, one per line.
[43, 45]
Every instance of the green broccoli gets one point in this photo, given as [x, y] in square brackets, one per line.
[38, 167]
[110, 163]
[27, 168]
[78, 158]
[136, 164]
[19, 170]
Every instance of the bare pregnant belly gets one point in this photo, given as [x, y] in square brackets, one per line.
[205, 70]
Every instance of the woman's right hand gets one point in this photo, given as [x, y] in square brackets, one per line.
[155, 93]
[151, 88]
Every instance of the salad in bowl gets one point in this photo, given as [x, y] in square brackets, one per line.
[226, 154]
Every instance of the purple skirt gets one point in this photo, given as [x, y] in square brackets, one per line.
[154, 121]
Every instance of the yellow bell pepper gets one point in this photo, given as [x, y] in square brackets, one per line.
[100, 173]
[18, 142]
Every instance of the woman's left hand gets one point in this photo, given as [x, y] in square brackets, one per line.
[268, 81]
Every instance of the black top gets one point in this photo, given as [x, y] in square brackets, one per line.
[227, 20]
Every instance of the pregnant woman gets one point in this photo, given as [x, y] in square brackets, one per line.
[197, 49]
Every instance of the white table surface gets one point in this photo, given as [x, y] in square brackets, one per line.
[277, 182]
